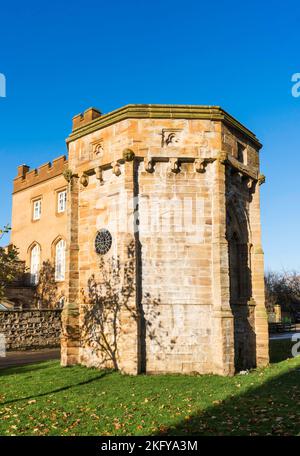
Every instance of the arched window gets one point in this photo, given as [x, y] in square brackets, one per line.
[60, 260]
[35, 258]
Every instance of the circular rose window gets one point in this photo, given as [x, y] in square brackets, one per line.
[103, 241]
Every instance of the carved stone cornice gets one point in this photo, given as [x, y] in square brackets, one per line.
[146, 111]
[200, 165]
[244, 169]
[240, 168]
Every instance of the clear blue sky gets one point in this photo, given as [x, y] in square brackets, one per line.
[61, 57]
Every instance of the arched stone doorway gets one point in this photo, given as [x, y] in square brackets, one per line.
[241, 302]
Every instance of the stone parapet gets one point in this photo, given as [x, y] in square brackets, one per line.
[27, 178]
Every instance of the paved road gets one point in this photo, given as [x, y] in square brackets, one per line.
[282, 336]
[21, 358]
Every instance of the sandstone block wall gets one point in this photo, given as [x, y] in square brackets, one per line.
[52, 225]
[34, 329]
[100, 207]
[198, 312]
[177, 268]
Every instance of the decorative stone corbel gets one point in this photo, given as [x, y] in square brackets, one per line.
[99, 174]
[174, 165]
[128, 155]
[68, 174]
[261, 179]
[84, 180]
[200, 164]
[149, 164]
[223, 157]
[70, 177]
[116, 168]
[250, 183]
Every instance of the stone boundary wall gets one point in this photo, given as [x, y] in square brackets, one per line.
[31, 329]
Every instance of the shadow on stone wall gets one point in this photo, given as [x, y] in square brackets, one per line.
[240, 274]
[114, 299]
[47, 294]
[104, 302]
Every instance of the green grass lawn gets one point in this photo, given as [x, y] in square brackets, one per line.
[45, 399]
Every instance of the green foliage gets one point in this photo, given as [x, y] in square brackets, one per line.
[9, 263]
[4, 231]
[282, 288]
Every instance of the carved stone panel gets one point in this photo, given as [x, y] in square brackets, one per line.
[96, 149]
[171, 137]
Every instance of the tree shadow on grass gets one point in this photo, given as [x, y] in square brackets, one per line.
[16, 364]
[103, 374]
[272, 408]
[24, 368]
[280, 350]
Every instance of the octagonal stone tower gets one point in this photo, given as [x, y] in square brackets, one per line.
[175, 281]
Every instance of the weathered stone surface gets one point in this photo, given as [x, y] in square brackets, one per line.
[188, 200]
